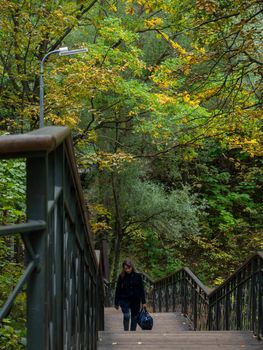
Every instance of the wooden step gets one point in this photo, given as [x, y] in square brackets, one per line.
[163, 322]
[185, 341]
[175, 346]
[171, 331]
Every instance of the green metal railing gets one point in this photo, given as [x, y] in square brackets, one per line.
[235, 305]
[183, 292]
[63, 278]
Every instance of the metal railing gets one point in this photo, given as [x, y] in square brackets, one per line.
[235, 305]
[238, 303]
[63, 279]
[182, 292]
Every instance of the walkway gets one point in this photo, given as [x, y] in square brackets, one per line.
[170, 332]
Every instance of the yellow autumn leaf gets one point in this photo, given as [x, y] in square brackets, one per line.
[153, 22]
[130, 11]
[113, 8]
[163, 99]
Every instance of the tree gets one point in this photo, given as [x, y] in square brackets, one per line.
[164, 83]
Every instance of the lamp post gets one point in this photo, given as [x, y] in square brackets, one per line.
[63, 51]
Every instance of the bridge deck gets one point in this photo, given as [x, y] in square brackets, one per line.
[170, 332]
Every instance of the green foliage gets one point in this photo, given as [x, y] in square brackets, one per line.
[12, 188]
[159, 260]
[175, 84]
[11, 338]
[232, 227]
[149, 216]
[12, 210]
[170, 215]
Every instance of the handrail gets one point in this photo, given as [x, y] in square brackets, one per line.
[258, 253]
[65, 292]
[190, 273]
[40, 140]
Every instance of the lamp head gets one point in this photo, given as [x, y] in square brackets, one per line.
[64, 51]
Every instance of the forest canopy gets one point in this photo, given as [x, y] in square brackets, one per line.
[166, 115]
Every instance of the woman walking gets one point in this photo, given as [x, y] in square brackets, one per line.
[129, 295]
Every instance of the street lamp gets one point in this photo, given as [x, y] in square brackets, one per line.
[63, 51]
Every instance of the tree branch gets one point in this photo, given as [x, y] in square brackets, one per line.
[69, 29]
[143, 221]
[253, 59]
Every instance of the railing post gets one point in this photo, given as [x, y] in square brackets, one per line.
[94, 310]
[227, 304]
[154, 296]
[160, 297]
[195, 307]
[260, 300]
[37, 323]
[173, 292]
[209, 321]
[166, 295]
[185, 294]
[254, 266]
[238, 302]
[182, 292]
[217, 311]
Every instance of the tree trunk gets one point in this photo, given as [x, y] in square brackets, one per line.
[117, 254]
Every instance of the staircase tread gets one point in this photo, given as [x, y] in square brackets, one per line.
[171, 331]
[181, 347]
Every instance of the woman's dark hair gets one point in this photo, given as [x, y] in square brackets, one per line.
[127, 262]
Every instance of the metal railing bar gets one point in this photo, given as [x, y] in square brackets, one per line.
[52, 202]
[188, 272]
[234, 274]
[230, 291]
[160, 280]
[50, 205]
[78, 241]
[28, 246]
[57, 192]
[44, 139]
[27, 227]
[196, 279]
[76, 235]
[205, 300]
[79, 193]
[68, 211]
[23, 279]
[207, 290]
[197, 288]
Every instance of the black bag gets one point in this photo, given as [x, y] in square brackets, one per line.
[145, 320]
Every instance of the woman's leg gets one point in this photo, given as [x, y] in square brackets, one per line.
[134, 322]
[125, 308]
[135, 309]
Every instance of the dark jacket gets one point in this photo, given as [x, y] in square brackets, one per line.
[130, 287]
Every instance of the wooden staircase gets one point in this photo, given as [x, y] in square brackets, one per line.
[171, 331]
